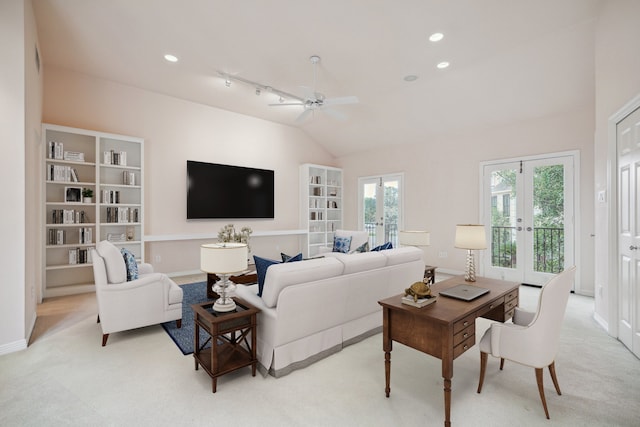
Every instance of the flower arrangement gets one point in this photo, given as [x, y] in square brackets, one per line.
[228, 233]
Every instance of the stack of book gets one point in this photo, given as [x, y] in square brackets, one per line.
[421, 302]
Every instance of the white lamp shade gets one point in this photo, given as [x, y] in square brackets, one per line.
[470, 236]
[414, 238]
[223, 258]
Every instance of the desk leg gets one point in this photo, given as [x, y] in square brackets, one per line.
[447, 374]
[387, 347]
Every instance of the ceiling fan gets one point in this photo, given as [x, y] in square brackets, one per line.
[312, 100]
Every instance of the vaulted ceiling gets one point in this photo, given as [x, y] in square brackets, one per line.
[510, 60]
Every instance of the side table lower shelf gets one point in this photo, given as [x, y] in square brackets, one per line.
[227, 334]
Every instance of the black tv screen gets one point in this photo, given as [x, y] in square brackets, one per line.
[227, 192]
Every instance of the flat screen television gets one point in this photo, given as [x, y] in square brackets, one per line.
[216, 191]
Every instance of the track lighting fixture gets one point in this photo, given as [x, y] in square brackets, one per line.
[257, 91]
[227, 83]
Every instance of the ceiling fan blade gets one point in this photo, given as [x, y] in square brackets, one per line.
[339, 115]
[284, 104]
[302, 117]
[341, 101]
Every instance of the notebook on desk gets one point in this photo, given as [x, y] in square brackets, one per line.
[464, 292]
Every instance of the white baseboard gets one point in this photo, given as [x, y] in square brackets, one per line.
[12, 347]
[602, 322]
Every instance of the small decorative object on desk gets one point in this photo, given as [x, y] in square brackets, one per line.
[418, 290]
[420, 302]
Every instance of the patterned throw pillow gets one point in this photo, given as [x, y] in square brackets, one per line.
[263, 263]
[383, 247]
[362, 248]
[289, 258]
[341, 244]
[130, 263]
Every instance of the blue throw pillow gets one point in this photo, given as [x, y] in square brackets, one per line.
[383, 247]
[263, 263]
[130, 263]
[341, 244]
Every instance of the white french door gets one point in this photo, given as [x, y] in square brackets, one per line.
[380, 208]
[528, 212]
[628, 148]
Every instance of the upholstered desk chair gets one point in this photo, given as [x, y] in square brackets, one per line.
[122, 305]
[532, 338]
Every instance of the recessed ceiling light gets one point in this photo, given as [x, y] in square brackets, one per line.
[410, 78]
[443, 64]
[436, 37]
[171, 58]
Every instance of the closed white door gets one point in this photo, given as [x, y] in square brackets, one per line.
[529, 219]
[380, 208]
[628, 148]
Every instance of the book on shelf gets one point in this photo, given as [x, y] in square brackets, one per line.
[113, 157]
[74, 156]
[56, 150]
[408, 299]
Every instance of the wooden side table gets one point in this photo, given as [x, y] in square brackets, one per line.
[430, 274]
[227, 334]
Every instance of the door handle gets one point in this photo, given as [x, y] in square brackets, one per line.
[519, 229]
[529, 229]
[633, 248]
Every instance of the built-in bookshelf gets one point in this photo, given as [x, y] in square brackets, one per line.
[320, 205]
[80, 163]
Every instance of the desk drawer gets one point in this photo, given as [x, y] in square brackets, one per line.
[464, 323]
[510, 305]
[511, 295]
[467, 332]
[464, 346]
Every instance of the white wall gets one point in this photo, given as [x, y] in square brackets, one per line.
[176, 131]
[12, 172]
[617, 62]
[442, 179]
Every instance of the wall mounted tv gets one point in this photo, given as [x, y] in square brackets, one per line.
[217, 191]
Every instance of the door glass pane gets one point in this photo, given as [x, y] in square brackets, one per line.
[369, 211]
[503, 218]
[391, 203]
[548, 219]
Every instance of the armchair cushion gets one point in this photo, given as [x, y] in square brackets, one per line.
[114, 263]
[130, 264]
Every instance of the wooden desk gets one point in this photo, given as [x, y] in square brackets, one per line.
[446, 328]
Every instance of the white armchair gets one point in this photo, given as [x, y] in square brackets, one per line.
[122, 305]
[532, 338]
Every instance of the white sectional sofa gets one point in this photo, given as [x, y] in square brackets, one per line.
[313, 308]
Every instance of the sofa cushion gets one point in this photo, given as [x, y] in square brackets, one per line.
[287, 274]
[130, 264]
[357, 237]
[362, 248]
[383, 247]
[354, 263]
[113, 262]
[341, 244]
[402, 255]
[262, 264]
[289, 258]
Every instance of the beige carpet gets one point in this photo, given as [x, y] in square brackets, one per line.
[141, 378]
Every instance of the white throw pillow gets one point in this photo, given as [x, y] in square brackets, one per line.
[113, 261]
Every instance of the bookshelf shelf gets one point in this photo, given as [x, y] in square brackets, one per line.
[78, 158]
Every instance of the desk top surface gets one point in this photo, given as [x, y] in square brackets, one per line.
[448, 310]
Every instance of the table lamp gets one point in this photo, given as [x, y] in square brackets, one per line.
[470, 237]
[414, 238]
[223, 259]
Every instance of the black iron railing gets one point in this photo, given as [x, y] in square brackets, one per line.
[548, 248]
[390, 233]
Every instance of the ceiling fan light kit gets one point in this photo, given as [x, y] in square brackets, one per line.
[310, 101]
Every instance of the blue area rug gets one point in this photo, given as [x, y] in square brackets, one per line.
[191, 294]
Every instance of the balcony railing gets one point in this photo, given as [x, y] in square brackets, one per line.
[548, 248]
[390, 233]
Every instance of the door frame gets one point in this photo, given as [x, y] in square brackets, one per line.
[612, 190]
[575, 155]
